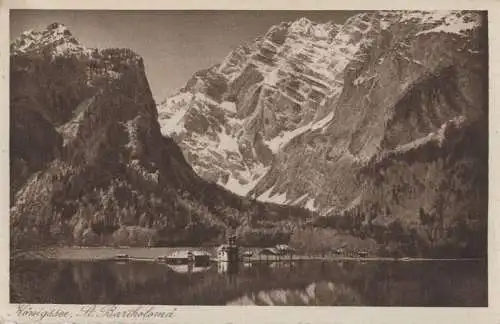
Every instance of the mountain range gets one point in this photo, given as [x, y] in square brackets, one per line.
[380, 121]
[88, 162]
[384, 117]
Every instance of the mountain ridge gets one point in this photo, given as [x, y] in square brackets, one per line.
[89, 163]
[308, 116]
[224, 81]
[389, 144]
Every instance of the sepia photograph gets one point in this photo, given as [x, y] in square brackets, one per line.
[249, 157]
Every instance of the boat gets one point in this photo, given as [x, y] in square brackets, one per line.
[121, 257]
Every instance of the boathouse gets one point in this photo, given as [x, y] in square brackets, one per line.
[269, 254]
[196, 257]
[284, 249]
[269, 251]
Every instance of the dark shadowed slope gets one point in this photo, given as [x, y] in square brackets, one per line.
[89, 164]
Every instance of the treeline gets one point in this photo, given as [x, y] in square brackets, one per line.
[463, 237]
[91, 207]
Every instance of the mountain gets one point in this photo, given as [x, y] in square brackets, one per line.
[380, 119]
[379, 125]
[225, 118]
[89, 164]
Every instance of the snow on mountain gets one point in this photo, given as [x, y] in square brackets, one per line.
[229, 106]
[278, 142]
[399, 97]
[275, 88]
[89, 164]
[56, 37]
[283, 91]
[458, 23]
[208, 134]
[290, 68]
[172, 118]
[269, 196]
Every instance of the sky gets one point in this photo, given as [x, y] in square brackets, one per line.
[174, 44]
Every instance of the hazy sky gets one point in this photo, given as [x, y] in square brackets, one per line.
[174, 44]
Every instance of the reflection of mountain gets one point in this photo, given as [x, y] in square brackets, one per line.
[311, 283]
[316, 294]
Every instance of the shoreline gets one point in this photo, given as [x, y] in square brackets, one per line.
[148, 255]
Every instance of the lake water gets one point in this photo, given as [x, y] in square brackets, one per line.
[319, 283]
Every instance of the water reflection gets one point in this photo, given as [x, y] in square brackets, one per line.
[229, 268]
[347, 283]
[322, 293]
[188, 268]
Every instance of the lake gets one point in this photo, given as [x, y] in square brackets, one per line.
[315, 283]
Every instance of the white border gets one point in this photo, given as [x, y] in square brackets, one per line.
[205, 314]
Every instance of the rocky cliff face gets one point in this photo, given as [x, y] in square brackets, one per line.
[380, 121]
[409, 139]
[379, 114]
[89, 164]
[232, 119]
[414, 77]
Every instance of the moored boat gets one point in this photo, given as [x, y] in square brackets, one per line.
[121, 257]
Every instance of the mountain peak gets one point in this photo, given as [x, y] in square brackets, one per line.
[56, 25]
[56, 37]
[303, 21]
[305, 27]
[268, 97]
[301, 25]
